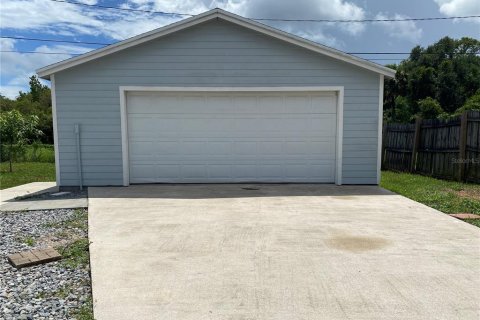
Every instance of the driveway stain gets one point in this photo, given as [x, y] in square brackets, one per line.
[357, 243]
[344, 197]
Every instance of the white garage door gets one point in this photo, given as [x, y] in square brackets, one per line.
[202, 137]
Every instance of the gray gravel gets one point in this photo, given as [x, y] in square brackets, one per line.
[49, 291]
[72, 194]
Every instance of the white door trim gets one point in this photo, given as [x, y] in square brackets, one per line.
[339, 90]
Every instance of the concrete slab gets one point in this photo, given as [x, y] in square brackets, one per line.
[8, 198]
[44, 204]
[28, 189]
[280, 252]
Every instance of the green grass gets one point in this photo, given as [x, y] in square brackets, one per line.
[30, 153]
[30, 241]
[25, 172]
[85, 312]
[445, 196]
[76, 254]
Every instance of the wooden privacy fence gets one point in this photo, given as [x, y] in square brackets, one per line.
[448, 149]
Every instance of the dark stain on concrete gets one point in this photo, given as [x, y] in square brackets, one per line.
[357, 243]
[344, 197]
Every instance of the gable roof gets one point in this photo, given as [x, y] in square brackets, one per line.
[45, 72]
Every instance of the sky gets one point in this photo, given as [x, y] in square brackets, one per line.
[53, 19]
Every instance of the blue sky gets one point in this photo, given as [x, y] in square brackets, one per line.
[55, 20]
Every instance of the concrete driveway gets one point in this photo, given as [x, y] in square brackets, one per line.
[280, 252]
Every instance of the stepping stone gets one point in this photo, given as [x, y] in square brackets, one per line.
[464, 216]
[33, 257]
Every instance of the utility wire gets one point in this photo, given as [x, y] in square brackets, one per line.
[39, 52]
[77, 54]
[272, 19]
[55, 40]
[123, 9]
[359, 53]
[105, 43]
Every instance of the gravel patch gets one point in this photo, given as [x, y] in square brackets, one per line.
[50, 291]
[73, 194]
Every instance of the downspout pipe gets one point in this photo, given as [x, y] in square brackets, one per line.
[79, 156]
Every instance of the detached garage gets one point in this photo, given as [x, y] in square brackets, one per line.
[216, 98]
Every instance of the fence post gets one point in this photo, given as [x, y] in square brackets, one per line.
[384, 139]
[416, 143]
[462, 154]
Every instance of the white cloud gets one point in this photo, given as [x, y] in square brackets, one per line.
[69, 19]
[459, 7]
[405, 30]
[18, 67]
[57, 18]
[311, 9]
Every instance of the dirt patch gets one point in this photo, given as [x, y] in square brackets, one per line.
[469, 193]
[464, 216]
[357, 243]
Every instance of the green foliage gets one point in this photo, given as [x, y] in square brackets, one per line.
[35, 152]
[401, 111]
[76, 254]
[473, 103]
[429, 108]
[16, 131]
[36, 88]
[86, 311]
[447, 71]
[36, 102]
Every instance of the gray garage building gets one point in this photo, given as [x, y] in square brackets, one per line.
[216, 98]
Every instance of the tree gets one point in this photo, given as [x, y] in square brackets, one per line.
[447, 71]
[36, 88]
[473, 103]
[403, 112]
[429, 108]
[16, 131]
[38, 102]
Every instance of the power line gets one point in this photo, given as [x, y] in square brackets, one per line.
[76, 54]
[366, 20]
[105, 43]
[123, 9]
[55, 40]
[39, 52]
[272, 19]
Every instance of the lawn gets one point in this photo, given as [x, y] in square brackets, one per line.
[445, 196]
[25, 172]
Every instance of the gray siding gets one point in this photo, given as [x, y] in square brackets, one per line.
[213, 54]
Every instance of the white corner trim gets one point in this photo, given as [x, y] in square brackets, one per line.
[55, 130]
[380, 128]
[206, 16]
[124, 128]
[339, 90]
[339, 139]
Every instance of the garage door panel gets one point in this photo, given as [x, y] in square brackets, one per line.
[231, 137]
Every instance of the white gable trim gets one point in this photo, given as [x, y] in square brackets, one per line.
[45, 72]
